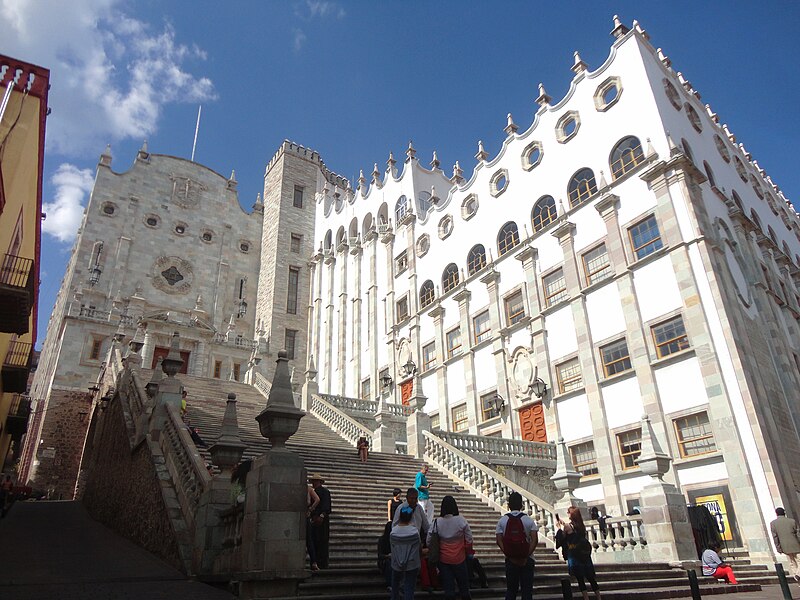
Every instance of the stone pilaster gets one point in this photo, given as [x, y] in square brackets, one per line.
[357, 253]
[327, 360]
[441, 369]
[566, 479]
[468, 360]
[492, 282]
[341, 353]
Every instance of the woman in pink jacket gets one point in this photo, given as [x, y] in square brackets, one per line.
[455, 543]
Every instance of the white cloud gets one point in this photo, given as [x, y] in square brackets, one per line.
[324, 8]
[299, 39]
[111, 74]
[64, 213]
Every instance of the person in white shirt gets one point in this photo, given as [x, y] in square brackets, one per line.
[714, 566]
[517, 536]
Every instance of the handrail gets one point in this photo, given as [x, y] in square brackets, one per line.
[486, 483]
[262, 385]
[367, 406]
[339, 421]
[15, 271]
[620, 533]
[186, 468]
[18, 354]
[499, 446]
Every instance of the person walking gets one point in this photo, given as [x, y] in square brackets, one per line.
[393, 504]
[517, 536]
[312, 500]
[787, 540]
[363, 449]
[455, 543]
[320, 520]
[406, 554]
[578, 551]
[714, 566]
[423, 489]
[418, 518]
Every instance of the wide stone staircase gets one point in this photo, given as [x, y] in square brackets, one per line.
[360, 493]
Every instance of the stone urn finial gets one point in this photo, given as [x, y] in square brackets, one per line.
[228, 449]
[173, 362]
[653, 460]
[281, 418]
[151, 387]
[566, 478]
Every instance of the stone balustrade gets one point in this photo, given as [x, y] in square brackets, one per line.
[488, 484]
[184, 464]
[369, 407]
[262, 384]
[237, 341]
[232, 520]
[338, 421]
[622, 533]
[492, 446]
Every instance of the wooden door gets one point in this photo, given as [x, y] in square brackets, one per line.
[160, 352]
[406, 389]
[531, 423]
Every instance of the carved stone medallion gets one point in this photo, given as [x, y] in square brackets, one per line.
[522, 372]
[172, 274]
[186, 192]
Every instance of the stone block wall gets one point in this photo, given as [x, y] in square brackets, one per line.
[63, 431]
[123, 490]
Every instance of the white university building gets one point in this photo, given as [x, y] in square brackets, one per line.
[622, 250]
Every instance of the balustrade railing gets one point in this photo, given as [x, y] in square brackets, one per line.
[18, 354]
[366, 406]
[262, 385]
[488, 484]
[339, 421]
[15, 271]
[184, 464]
[482, 444]
[232, 520]
[87, 312]
[236, 341]
[620, 533]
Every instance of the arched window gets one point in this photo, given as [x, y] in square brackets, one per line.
[328, 240]
[476, 259]
[544, 212]
[755, 219]
[353, 230]
[737, 200]
[626, 155]
[687, 149]
[710, 174]
[426, 293]
[400, 209]
[424, 203]
[507, 238]
[449, 277]
[581, 187]
[340, 236]
[772, 236]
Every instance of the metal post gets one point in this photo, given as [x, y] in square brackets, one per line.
[787, 594]
[694, 585]
[566, 588]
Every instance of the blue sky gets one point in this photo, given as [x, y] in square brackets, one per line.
[355, 80]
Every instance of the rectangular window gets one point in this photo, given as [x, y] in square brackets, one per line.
[291, 295]
[288, 344]
[297, 240]
[366, 389]
[694, 435]
[298, 196]
[569, 376]
[645, 237]
[584, 458]
[237, 371]
[97, 346]
[402, 309]
[460, 419]
[453, 342]
[630, 448]
[515, 308]
[217, 369]
[428, 356]
[488, 411]
[401, 263]
[481, 327]
[435, 423]
[596, 265]
[555, 287]
[616, 358]
[670, 337]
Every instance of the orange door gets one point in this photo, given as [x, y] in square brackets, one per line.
[531, 423]
[162, 353]
[406, 388]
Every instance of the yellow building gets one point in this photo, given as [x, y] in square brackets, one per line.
[23, 111]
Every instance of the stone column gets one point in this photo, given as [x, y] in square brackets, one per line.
[468, 359]
[327, 360]
[417, 422]
[441, 369]
[492, 281]
[200, 359]
[147, 350]
[388, 241]
[313, 332]
[317, 305]
[274, 522]
[341, 353]
[372, 313]
[356, 328]
[664, 515]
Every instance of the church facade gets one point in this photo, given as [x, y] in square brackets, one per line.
[621, 255]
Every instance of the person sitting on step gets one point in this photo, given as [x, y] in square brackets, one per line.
[714, 566]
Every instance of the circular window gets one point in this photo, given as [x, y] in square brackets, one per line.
[244, 247]
[499, 182]
[109, 208]
[672, 94]
[722, 149]
[207, 236]
[740, 168]
[180, 228]
[532, 155]
[445, 227]
[151, 221]
[758, 191]
[694, 118]
[423, 245]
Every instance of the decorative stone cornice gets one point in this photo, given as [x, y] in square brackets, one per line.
[462, 296]
[527, 253]
[491, 277]
[564, 231]
[607, 205]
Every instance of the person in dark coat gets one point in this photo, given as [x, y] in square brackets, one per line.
[320, 520]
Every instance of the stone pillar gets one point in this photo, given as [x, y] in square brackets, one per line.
[274, 525]
[441, 369]
[170, 388]
[664, 515]
[566, 479]
[492, 282]
[471, 394]
[341, 352]
[389, 310]
[310, 387]
[418, 421]
[327, 360]
[356, 327]
[371, 238]
[200, 359]
[383, 439]
[147, 350]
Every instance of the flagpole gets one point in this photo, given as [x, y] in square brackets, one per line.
[196, 129]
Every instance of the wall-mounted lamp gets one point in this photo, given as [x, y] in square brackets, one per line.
[242, 309]
[386, 381]
[539, 387]
[498, 403]
[95, 275]
[410, 367]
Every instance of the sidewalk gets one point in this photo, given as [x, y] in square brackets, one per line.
[770, 592]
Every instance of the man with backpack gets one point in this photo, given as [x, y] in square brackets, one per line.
[517, 537]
